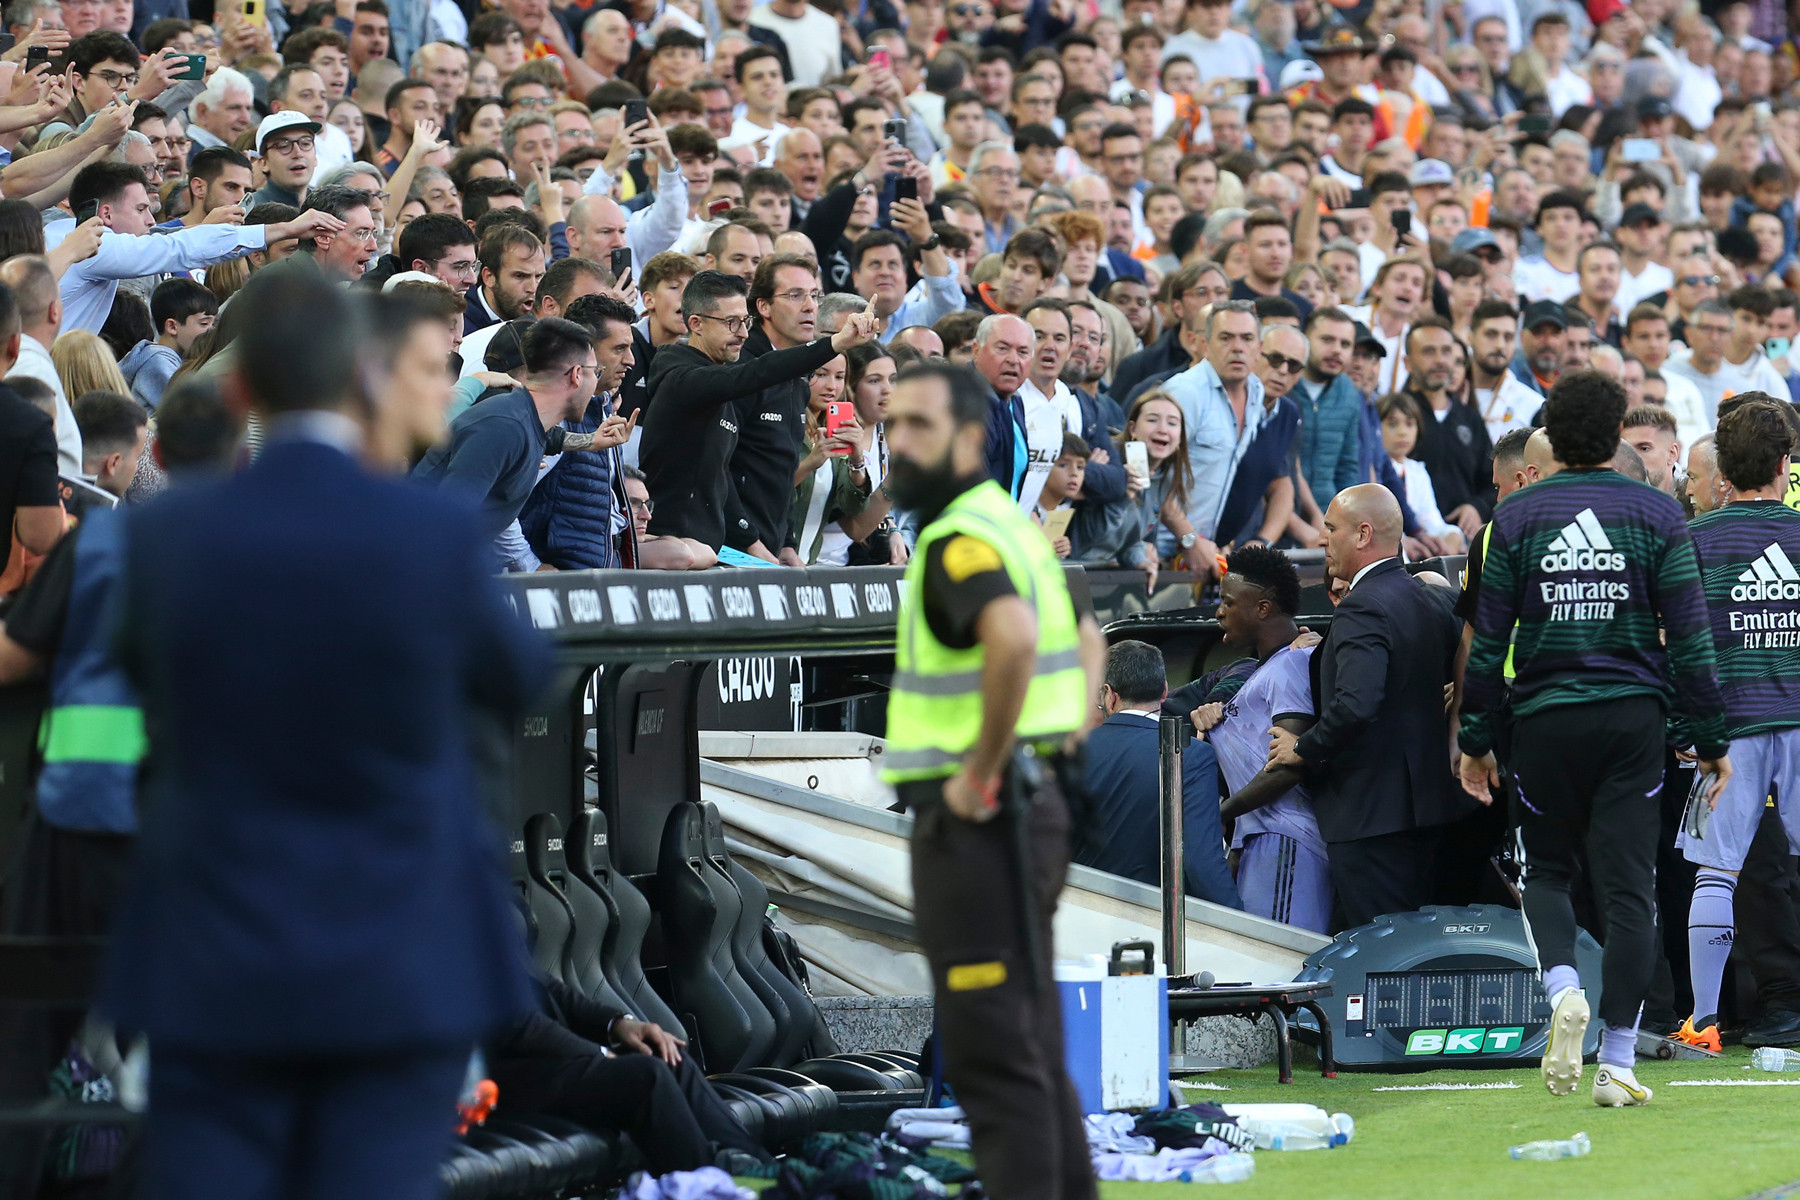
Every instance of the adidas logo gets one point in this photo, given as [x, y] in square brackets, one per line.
[1582, 546]
[1771, 577]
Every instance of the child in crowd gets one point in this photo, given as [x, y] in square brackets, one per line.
[1061, 487]
[1399, 434]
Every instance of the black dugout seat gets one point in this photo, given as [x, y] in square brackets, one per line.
[588, 862]
[700, 910]
[789, 1007]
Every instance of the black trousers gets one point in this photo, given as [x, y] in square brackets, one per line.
[672, 1114]
[1000, 1026]
[1590, 777]
[1391, 872]
[1768, 916]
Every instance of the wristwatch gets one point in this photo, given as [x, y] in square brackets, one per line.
[1188, 539]
[932, 242]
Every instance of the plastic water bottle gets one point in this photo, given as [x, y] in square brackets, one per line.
[1550, 1151]
[1226, 1168]
[1336, 1130]
[1774, 1058]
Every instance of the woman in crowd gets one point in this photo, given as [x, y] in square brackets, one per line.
[832, 481]
[868, 536]
[86, 364]
[479, 121]
[347, 116]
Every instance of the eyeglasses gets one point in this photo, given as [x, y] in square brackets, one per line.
[734, 324]
[967, 10]
[799, 297]
[115, 79]
[581, 369]
[365, 236]
[1125, 158]
[1714, 330]
[288, 145]
[462, 266]
[1282, 363]
[532, 101]
[1700, 280]
[1466, 69]
[647, 507]
[1000, 172]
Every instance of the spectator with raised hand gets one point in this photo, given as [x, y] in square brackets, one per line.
[693, 420]
[653, 228]
[217, 183]
[122, 195]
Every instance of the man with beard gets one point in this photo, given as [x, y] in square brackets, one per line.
[694, 422]
[1540, 356]
[512, 263]
[1504, 401]
[1454, 446]
[1332, 454]
[980, 669]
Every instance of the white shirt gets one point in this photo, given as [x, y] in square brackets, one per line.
[1697, 92]
[1153, 715]
[1231, 55]
[1537, 279]
[1357, 578]
[35, 363]
[332, 145]
[1632, 288]
[89, 285]
[1686, 405]
[1392, 372]
[1566, 89]
[815, 45]
[652, 229]
[474, 348]
[1421, 497]
[744, 131]
[1045, 423]
[1756, 374]
[1507, 407]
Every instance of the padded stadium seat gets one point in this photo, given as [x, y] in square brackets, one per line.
[589, 864]
[524, 1170]
[562, 1160]
[469, 1174]
[792, 1009]
[749, 1110]
[823, 1100]
[588, 1155]
[550, 911]
[844, 1075]
[700, 910]
[788, 1116]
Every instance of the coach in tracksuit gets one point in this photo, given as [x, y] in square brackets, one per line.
[1596, 569]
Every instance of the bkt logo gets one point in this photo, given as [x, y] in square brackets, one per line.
[1465, 929]
[1465, 1041]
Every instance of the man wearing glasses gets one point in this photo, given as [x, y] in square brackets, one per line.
[286, 142]
[701, 395]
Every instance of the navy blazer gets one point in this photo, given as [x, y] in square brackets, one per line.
[315, 874]
[1378, 759]
[1124, 834]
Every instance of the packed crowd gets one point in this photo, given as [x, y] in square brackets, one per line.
[1217, 262]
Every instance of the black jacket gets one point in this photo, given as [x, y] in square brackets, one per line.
[566, 1024]
[771, 428]
[691, 429]
[634, 391]
[1164, 354]
[1458, 455]
[1376, 761]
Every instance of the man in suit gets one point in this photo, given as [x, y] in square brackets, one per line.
[318, 931]
[1376, 760]
[1123, 766]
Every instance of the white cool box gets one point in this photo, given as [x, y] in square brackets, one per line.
[1116, 1030]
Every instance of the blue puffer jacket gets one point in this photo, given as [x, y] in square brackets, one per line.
[1331, 449]
[569, 517]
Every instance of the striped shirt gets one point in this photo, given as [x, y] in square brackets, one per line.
[1598, 571]
[1749, 554]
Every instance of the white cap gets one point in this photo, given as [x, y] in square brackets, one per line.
[1301, 70]
[286, 119]
[394, 281]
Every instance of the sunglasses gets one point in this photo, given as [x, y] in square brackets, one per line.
[1282, 363]
[1700, 280]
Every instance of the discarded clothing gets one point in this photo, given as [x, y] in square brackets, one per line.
[707, 1183]
[1111, 1133]
[1193, 1126]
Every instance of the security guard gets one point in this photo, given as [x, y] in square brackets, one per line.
[990, 650]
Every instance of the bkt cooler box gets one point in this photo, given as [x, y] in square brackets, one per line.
[1116, 1028]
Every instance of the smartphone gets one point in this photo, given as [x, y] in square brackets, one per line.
[620, 263]
[7, 41]
[87, 212]
[721, 205]
[1534, 124]
[881, 59]
[1640, 150]
[36, 56]
[894, 128]
[1241, 87]
[196, 67]
[1402, 220]
[1137, 458]
[905, 188]
[1777, 347]
[838, 413]
[635, 111]
[256, 12]
[1359, 198]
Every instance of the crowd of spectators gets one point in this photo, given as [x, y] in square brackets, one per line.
[1217, 261]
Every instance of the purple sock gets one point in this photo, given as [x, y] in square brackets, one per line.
[1618, 1046]
[1710, 929]
[1559, 977]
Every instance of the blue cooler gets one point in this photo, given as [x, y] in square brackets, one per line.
[1116, 1028]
